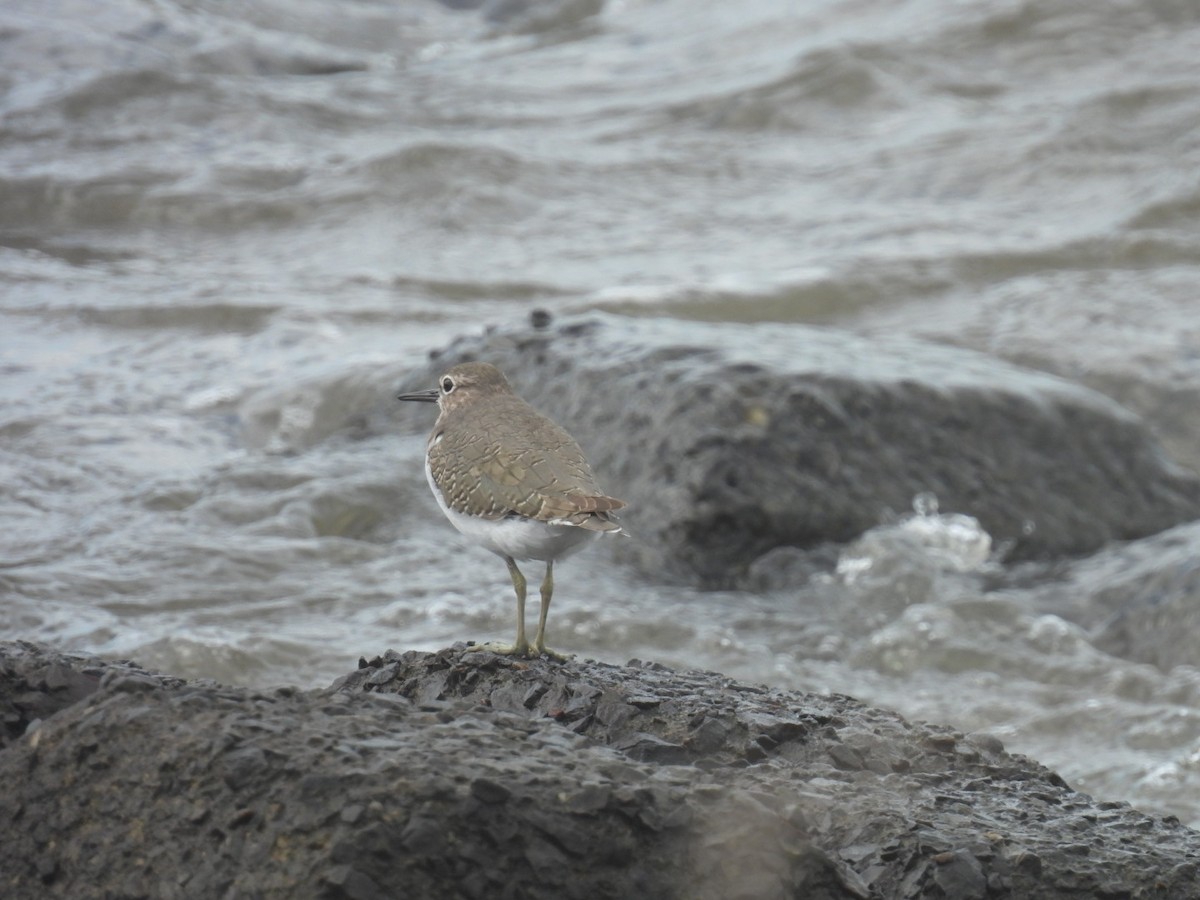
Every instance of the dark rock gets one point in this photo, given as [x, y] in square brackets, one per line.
[208, 791]
[344, 881]
[651, 748]
[1138, 599]
[34, 684]
[488, 791]
[960, 875]
[751, 438]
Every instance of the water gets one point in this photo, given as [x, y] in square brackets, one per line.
[227, 232]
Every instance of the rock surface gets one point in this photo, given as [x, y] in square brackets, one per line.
[730, 441]
[1138, 600]
[464, 774]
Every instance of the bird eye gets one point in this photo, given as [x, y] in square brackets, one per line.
[447, 384]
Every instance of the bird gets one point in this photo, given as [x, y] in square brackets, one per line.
[513, 481]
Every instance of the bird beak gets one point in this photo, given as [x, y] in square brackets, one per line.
[429, 396]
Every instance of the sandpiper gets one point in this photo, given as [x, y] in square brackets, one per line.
[510, 479]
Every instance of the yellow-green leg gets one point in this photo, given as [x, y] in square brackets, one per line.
[521, 646]
[539, 640]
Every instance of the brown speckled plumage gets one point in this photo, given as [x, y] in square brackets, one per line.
[510, 459]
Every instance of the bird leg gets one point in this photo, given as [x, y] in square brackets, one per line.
[539, 640]
[521, 647]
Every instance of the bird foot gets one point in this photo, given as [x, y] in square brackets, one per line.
[522, 650]
[543, 650]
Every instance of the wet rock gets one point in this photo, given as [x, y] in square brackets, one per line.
[488, 791]
[1137, 600]
[959, 874]
[752, 438]
[174, 790]
[35, 684]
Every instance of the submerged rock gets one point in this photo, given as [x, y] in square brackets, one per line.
[730, 441]
[461, 773]
[1137, 600]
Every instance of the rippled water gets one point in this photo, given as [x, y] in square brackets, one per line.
[227, 231]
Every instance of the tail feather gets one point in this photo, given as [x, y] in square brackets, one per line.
[601, 521]
[598, 503]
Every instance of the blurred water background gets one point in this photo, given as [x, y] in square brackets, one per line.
[228, 230]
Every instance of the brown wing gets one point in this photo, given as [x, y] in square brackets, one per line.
[521, 463]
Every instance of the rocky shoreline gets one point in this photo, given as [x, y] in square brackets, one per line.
[464, 774]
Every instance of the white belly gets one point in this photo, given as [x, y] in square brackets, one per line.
[516, 537]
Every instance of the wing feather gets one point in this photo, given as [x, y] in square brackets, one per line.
[520, 463]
